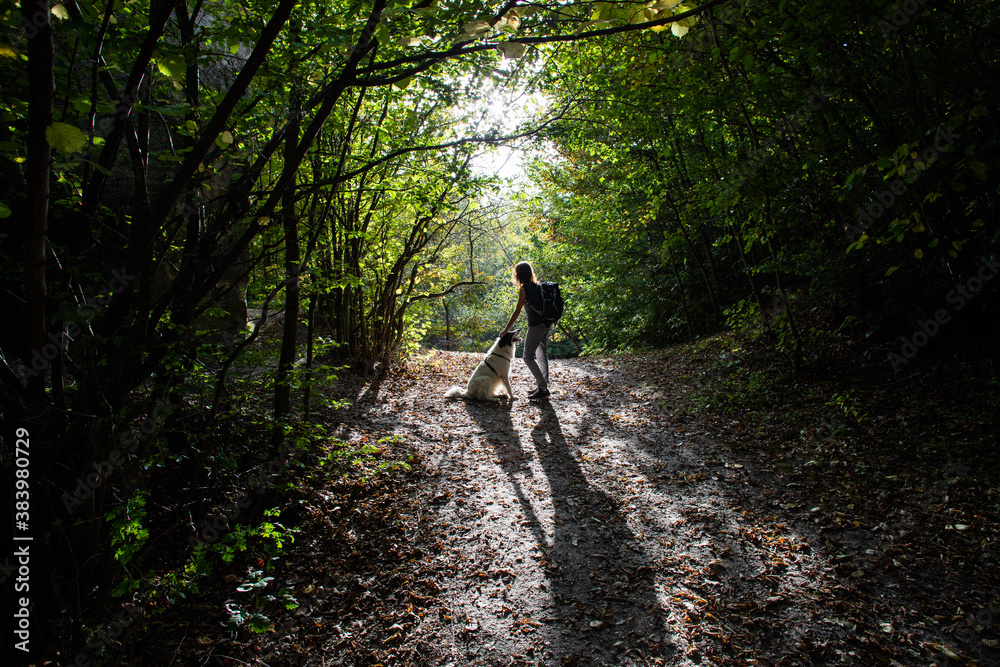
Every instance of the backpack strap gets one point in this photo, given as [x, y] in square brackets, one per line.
[540, 296]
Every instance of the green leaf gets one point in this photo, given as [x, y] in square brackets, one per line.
[103, 170]
[587, 25]
[892, 270]
[401, 85]
[511, 50]
[224, 140]
[171, 65]
[66, 138]
[259, 623]
[4, 211]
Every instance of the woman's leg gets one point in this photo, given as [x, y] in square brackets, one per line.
[535, 356]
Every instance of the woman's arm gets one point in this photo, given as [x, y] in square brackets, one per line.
[517, 310]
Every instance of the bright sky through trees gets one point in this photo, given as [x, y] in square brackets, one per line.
[512, 104]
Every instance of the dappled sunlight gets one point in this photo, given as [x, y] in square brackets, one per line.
[504, 105]
[597, 524]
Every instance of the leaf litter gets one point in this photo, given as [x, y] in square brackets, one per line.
[604, 527]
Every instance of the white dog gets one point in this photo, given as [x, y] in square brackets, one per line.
[491, 373]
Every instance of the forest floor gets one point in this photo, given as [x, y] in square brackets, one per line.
[613, 525]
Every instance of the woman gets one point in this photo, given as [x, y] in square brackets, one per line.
[535, 339]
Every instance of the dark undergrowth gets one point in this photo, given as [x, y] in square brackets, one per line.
[238, 552]
[321, 560]
[898, 471]
[934, 422]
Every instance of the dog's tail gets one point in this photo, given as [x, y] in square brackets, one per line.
[455, 392]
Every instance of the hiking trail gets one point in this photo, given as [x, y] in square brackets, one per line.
[596, 529]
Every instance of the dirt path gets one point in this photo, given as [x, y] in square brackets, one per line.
[594, 529]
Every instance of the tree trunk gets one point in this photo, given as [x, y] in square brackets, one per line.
[447, 325]
[290, 226]
[41, 84]
[684, 303]
[749, 274]
[310, 332]
[39, 436]
[715, 276]
[792, 327]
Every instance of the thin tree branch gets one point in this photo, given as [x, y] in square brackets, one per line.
[463, 49]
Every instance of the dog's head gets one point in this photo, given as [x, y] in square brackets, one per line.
[508, 339]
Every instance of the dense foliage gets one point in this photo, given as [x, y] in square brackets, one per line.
[785, 166]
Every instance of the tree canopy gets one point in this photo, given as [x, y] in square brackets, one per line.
[783, 158]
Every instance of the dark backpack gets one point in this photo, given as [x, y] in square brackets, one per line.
[552, 303]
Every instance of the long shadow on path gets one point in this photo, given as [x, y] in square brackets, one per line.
[596, 597]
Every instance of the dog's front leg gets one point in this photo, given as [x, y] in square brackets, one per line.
[510, 391]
